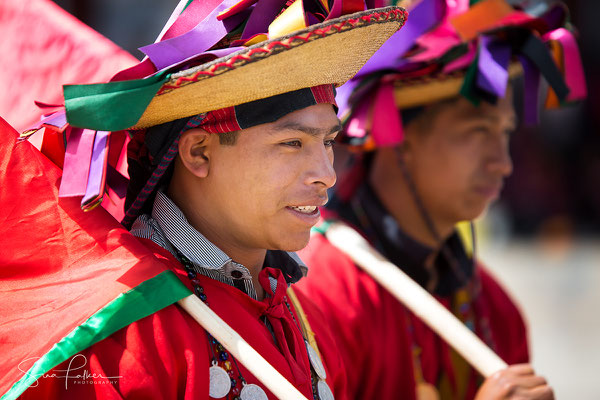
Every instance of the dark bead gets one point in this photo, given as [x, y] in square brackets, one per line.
[220, 347]
[203, 297]
[233, 382]
[223, 356]
[191, 274]
[197, 283]
[237, 398]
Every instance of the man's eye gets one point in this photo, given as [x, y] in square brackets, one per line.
[293, 143]
[329, 143]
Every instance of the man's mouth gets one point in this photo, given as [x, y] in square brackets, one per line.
[309, 210]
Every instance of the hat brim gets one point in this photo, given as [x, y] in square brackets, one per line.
[421, 91]
[331, 52]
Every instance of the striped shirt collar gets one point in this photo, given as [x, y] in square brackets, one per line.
[178, 231]
[169, 228]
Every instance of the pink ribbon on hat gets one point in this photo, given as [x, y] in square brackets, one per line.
[573, 72]
[386, 128]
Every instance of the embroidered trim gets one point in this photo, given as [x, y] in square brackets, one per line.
[260, 51]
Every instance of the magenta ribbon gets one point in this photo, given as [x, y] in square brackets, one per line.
[357, 126]
[202, 37]
[386, 128]
[97, 174]
[492, 65]
[78, 156]
[463, 61]
[574, 74]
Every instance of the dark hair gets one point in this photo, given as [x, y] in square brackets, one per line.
[157, 141]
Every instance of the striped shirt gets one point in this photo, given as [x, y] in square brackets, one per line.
[168, 227]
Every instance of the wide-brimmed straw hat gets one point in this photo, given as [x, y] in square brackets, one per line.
[459, 47]
[330, 52]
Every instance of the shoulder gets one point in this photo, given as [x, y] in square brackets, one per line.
[333, 278]
[506, 321]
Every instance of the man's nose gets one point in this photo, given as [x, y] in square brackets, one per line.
[321, 170]
[500, 160]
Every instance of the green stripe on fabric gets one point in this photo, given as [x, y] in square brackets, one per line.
[186, 6]
[146, 298]
[322, 228]
[112, 106]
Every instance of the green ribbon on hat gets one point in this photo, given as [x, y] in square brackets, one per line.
[468, 89]
[112, 106]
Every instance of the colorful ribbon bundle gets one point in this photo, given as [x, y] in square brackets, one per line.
[477, 44]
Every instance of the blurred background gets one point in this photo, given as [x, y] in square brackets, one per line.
[541, 239]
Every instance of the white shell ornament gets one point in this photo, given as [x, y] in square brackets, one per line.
[324, 391]
[219, 383]
[253, 392]
[315, 361]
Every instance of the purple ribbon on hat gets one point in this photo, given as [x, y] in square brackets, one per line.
[531, 77]
[78, 156]
[424, 16]
[342, 96]
[202, 37]
[97, 176]
[263, 14]
[492, 66]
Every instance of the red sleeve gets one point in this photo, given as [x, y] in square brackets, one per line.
[506, 322]
[354, 306]
[164, 355]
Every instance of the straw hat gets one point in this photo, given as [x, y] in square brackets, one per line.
[450, 48]
[330, 52]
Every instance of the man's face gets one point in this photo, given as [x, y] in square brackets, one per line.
[458, 157]
[266, 187]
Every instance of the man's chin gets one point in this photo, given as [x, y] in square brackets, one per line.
[475, 212]
[296, 242]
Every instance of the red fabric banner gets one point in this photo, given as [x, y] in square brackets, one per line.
[54, 258]
[44, 47]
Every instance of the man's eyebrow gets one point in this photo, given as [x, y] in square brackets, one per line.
[294, 126]
[494, 119]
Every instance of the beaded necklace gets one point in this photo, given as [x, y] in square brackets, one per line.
[222, 376]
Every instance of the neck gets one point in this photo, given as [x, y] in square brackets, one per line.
[252, 259]
[402, 205]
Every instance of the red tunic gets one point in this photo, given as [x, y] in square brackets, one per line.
[167, 354]
[375, 332]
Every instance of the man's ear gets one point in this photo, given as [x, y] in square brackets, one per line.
[195, 151]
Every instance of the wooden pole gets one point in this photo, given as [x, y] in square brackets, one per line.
[240, 349]
[416, 299]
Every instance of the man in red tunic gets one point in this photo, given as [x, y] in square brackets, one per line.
[411, 176]
[230, 155]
